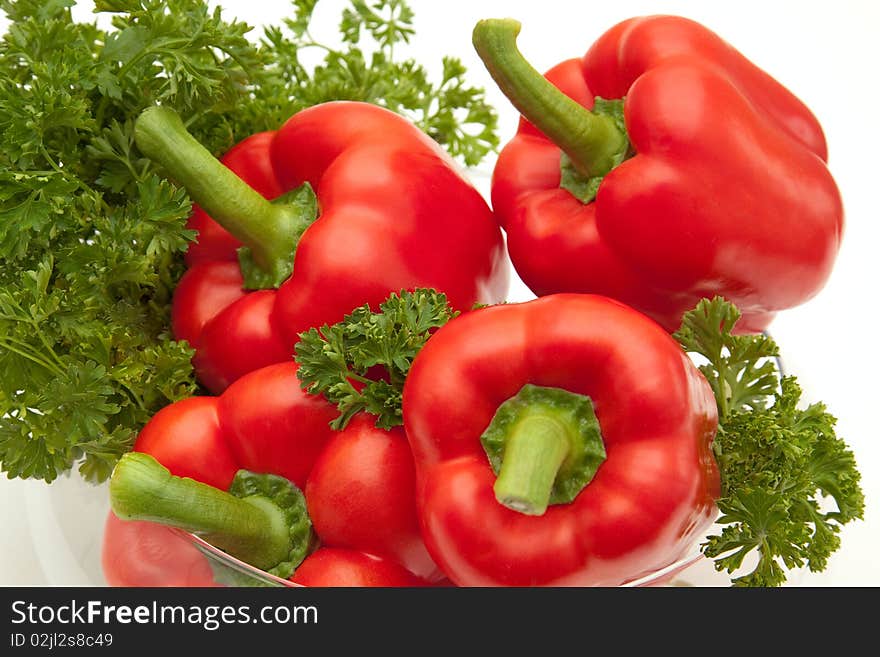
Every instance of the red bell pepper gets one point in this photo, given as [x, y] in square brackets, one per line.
[573, 401]
[394, 209]
[694, 174]
[359, 483]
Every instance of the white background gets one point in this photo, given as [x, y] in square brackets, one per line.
[827, 54]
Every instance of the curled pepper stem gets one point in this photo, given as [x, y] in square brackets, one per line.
[269, 230]
[534, 453]
[592, 141]
[252, 529]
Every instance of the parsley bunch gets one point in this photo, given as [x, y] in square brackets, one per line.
[365, 68]
[780, 463]
[92, 237]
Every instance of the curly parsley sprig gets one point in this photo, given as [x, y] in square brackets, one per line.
[361, 363]
[780, 463]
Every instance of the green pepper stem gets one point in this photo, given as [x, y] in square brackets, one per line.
[535, 450]
[252, 529]
[269, 230]
[593, 142]
[545, 445]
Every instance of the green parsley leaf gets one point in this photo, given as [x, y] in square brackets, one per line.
[361, 363]
[367, 69]
[741, 369]
[782, 466]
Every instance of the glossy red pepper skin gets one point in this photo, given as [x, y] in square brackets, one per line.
[338, 567]
[266, 423]
[650, 500]
[728, 192]
[361, 495]
[395, 211]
